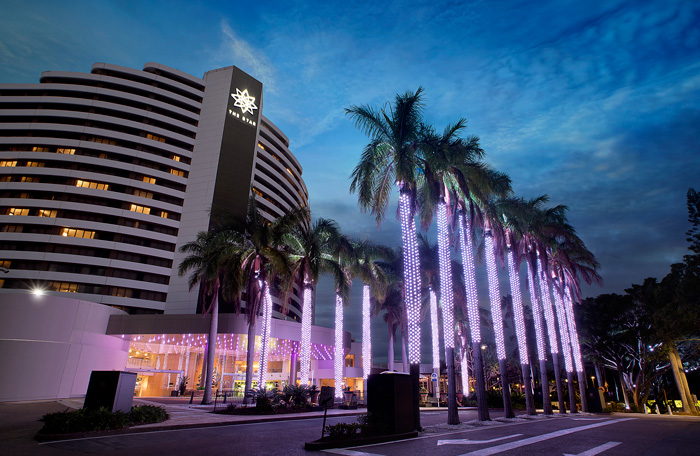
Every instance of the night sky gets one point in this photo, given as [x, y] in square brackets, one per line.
[596, 104]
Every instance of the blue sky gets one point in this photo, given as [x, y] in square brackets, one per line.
[595, 103]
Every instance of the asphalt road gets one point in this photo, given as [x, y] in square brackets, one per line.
[583, 435]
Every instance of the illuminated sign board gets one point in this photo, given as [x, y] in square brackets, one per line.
[245, 103]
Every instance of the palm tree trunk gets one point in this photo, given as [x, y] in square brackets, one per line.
[404, 357]
[211, 347]
[452, 413]
[466, 247]
[681, 381]
[529, 398]
[624, 389]
[582, 390]
[505, 387]
[576, 349]
[250, 358]
[560, 387]
[412, 285]
[306, 316]
[546, 400]
[572, 392]
[390, 354]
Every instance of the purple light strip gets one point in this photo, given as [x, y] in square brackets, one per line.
[466, 247]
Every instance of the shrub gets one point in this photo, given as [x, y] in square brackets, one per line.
[100, 420]
[342, 430]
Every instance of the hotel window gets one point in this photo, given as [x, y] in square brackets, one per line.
[141, 209]
[177, 172]
[66, 287]
[47, 213]
[110, 142]
[12, 228]
[40, 149]
[77, 233]
[89, 184]
[121, 292]
[258, 192]
[143, 193]
[29, 179]
[155, 138]
[33, 164]
[5, 178]
[149, 180]
[63, 150]
[24, 195]
[6, 163]
[176, 158]
[350, 361]
[17, 211]
[261, 146]
[5, 264]
[163, 214]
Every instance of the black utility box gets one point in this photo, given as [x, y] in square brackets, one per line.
[113, 390]
[596, 402]
[390, 401]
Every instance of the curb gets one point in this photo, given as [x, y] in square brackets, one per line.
[48, 438]
[324, 445]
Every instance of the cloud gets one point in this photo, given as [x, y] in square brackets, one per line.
[236, 51]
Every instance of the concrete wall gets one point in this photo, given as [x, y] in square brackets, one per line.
[49, 345]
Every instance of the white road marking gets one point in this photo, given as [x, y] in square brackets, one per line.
[349, 452]
[588, 419]
[596, 450]
[539, 438]
[473, 442]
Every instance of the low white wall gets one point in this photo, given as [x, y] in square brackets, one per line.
[49, 345]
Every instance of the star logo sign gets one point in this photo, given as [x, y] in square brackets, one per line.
[244, 101]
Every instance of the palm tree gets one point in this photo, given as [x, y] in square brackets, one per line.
[262, 260]
[397, 141]
[209, 257]
[311, 254]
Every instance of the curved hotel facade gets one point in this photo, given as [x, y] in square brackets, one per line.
[104, 175]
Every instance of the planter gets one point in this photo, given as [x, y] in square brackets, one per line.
[314, 396]
[460, 396]
[347, 396]
[424, 397]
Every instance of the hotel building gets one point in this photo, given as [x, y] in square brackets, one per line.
[103, 176]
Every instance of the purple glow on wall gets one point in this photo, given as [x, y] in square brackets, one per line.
[466, 247]
[494, 295]
[411, 276]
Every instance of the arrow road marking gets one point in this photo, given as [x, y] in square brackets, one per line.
[473, 442]
[596, 450]
[529, 441]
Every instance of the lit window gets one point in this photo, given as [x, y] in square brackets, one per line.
[350, 361]
[163, 214]
[261, 146]
[89, 184]
[29, 179]
[8, 163]
[110, 142]
[121, 292]
[149, 180]
[17, 211]
[5, 264]
[141, 209]
[5, 178]
[47, 213]
[24, 195]
[12, 228]
[155, 138]
[77, 233]
[33, 164]
[258, 192]
[177, 172]
[63, 150]
[143, 193]
[40, 149]
[176, 158]
[65, 287]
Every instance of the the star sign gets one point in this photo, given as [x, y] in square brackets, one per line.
[244, 101]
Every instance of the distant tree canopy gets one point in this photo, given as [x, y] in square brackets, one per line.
[633, 333]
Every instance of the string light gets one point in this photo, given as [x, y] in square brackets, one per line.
[434, 329]
[305, 355]
[265, 336]
[465, 373]
[573, 334]
[495, 295]
[411, 275]
[548, 311]
[563, 331]
[443, 236]
[466, 247]
[366, 338]
[536, 313]
[518, 315]
[339, 355]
